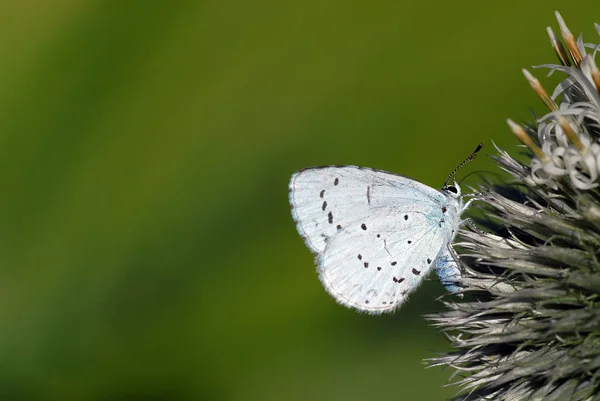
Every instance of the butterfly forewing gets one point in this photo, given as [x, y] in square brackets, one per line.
[376, 233]
[323, 199]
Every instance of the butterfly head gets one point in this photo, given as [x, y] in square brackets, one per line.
[452, 191]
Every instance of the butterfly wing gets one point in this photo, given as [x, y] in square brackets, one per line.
[376, 234]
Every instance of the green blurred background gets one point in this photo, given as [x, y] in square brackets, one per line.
[147, 250]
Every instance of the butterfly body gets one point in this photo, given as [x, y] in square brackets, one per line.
[376, 234]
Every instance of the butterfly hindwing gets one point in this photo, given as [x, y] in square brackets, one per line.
[374, 270]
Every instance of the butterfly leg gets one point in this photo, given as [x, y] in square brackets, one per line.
[474, 197]
[447, 270]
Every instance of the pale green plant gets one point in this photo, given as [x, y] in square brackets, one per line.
[528, 327]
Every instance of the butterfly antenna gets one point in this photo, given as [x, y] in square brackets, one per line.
[461, 165]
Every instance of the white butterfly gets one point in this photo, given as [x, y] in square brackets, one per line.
[376, 234]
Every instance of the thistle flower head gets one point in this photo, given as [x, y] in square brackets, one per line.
[531, 329]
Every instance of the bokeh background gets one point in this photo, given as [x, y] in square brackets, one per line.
[147, 250]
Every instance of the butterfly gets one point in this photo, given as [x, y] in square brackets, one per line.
[375, 234]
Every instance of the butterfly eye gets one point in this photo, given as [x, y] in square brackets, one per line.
[452, 188]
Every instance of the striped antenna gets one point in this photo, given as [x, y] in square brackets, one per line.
[461, 165]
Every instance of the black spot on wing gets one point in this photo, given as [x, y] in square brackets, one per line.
[370, 295]
[359, 256]
[405, 217]
[415, 272]
[363, 226]
[366, 264]
[322, 194]
[324, 205]
[394, 263]
[336, 181]
[428, 261]
[325, 238]
[330, 218]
